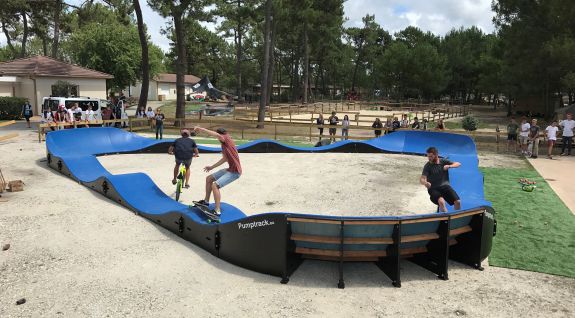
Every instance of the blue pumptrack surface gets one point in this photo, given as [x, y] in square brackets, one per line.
[78, 149]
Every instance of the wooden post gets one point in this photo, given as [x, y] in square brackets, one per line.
[275, 132]
[310, 127]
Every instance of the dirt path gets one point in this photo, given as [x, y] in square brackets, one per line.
[560, 174]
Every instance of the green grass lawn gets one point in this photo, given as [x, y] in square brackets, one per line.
[457, 125]
[169, 108]
[535, 230]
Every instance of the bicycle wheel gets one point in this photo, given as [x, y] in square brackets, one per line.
[178, 189]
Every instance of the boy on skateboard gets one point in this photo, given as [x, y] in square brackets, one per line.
[184, 149]
[223, 177]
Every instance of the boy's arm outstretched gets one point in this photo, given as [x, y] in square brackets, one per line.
[209, 132]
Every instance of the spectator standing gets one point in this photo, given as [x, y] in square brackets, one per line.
[533, 149]
[415, 124]
[159, 123]
[568, 126]
[27, 112]
[333, 120]
[440, 125]
[524, 135]
[512, 128]
[345, 127]
[140, 112]
[48, 118]
[89, 116]
[151, 116]
[425, 123]
[404, 121]
[61, 116]
[395, 124]
[377, 124]
[551, 134]
[320, 122]
[106, 114]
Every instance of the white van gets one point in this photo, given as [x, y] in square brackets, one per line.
[52, 103]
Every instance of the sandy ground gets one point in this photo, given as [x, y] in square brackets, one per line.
[330, 184]
[560, 174]
[76, 254]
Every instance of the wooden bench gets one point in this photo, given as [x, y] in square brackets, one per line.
[380, 248]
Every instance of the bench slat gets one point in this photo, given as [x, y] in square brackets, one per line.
[303, 220]
[345, 259]
[337, 240]
[335, 253]
[460, 230]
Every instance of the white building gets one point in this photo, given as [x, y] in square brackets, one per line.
[33, 78]
[163, 87]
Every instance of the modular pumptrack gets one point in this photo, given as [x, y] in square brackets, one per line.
[276, 243]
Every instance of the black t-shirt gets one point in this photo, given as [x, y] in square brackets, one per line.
[159, 119]
[377, 125]
[415, 125]
[435, 173]
[333, 120]
[534, 131]
[184, 148]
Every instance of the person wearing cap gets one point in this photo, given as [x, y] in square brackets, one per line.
[223, 177]
[184, 149]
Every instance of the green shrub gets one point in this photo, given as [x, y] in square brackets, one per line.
[11, 107]
[470, 123]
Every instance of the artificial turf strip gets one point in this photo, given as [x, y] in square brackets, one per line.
[535, 230]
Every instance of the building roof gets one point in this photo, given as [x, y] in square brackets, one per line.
[43, 66]
[171, 78]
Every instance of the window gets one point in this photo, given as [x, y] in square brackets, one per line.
[65, 89]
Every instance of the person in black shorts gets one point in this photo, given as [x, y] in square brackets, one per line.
[185, 149]
[512, 128]
[435, 178]
[333, 120]
[27, 112]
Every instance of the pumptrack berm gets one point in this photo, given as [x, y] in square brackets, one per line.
[276, 243]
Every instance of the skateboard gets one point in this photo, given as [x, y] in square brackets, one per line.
[211, 216]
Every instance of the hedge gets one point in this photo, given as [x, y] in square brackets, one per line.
[11, 107]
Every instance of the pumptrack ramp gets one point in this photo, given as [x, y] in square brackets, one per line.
[277, 242]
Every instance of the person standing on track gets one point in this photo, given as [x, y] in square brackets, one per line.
[435, 177]
[223, 177]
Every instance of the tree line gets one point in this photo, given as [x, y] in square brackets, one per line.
[305, 47]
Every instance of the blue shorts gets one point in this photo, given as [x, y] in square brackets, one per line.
[223, 177]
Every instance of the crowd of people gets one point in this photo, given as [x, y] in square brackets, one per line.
[379, 127]
[527, 136]
[74, 116]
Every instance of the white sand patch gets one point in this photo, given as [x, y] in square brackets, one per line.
[318, 183]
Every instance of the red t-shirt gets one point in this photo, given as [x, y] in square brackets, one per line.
[231, 154]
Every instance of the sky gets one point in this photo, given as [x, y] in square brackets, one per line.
[437, 16]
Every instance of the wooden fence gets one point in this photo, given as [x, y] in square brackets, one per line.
[275, 130]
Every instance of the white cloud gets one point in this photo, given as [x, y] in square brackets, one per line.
[437, 16]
